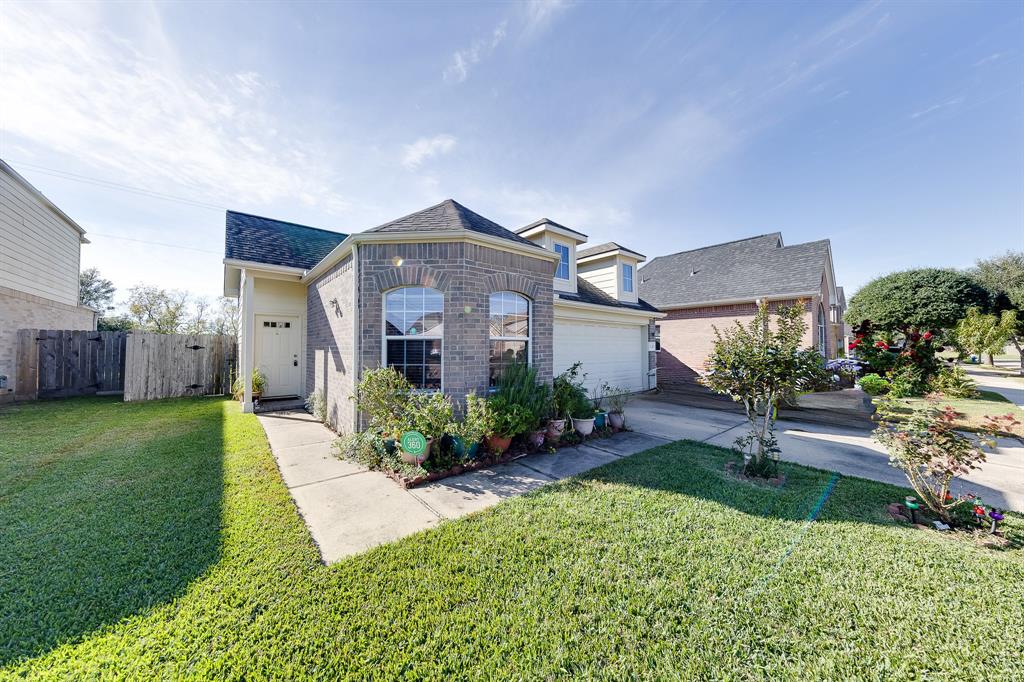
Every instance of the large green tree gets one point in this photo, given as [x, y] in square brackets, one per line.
[1004, 277]
[928, 298]
[95, 291]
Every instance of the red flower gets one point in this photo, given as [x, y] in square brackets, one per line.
[851, 346]
[927, 336]
[882, 344]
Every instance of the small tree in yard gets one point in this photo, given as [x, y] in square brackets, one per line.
[980, 334]
[927, 447]
[760, 365]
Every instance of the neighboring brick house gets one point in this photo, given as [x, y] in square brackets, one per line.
[712, 287]
[40, 249]
[445, 295]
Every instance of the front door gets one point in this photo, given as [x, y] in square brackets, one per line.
[277, 353]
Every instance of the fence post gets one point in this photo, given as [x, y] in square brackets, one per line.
[26, 373]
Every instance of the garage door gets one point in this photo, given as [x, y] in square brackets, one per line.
[613, 353]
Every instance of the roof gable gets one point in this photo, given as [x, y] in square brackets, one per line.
[741, 270]
[607, 247]
[452, 216]
[276, 242]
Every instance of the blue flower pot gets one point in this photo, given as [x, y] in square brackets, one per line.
[599, 419]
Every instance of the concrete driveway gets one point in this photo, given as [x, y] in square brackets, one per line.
[1000, 481]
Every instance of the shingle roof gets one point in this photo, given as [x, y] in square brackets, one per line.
[741, 270]
[603, 248]
[588, 293]
[548, 221]
[264, 240]
[450, 215]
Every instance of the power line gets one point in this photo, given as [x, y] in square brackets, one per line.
[109, 184]
[149, 243]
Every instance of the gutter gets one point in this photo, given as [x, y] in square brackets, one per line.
[610, 310]
[734, 301]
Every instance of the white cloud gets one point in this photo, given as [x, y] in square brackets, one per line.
[541, 13]
[935, 107]
[464, 60]
[426, 148]
[72, 87]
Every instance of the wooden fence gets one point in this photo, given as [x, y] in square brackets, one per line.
[172, 365]
[56, 363]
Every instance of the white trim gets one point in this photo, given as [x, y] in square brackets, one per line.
[41, 198]
[357, 361]
[734, 301]
[577, 310]
[264, 267]
[424, 237]
[546, 226]
[529, 329]
[625, 253]
[568, 260]
[248, 328]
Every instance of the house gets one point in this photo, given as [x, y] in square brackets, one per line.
[40, 251]
[714, 286]
[444, 295]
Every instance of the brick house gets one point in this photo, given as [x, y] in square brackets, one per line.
[714, 286]
[40, 252]
[444, 295]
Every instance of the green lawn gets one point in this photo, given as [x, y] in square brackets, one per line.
[973, 410]
[157, 540]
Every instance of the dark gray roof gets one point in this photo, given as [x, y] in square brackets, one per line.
[588, 293]
[548, 221]
[742, 270]
[264, 240]
[841, 297]
[450, 215]
[603, 248]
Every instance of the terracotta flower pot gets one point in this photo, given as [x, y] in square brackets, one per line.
[498, 444]
[556, 427]
[616, 419]
[584, 427]
[537, 438]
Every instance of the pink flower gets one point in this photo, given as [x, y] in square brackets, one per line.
[882, 344]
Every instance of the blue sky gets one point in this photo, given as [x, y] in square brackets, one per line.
[894, 129]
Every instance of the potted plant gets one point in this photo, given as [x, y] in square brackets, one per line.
[583, 414]
[259, 383]
[467, 434]
[617, 399]
[600, 415]
[563, 397]
[507, 419]
[430, 414]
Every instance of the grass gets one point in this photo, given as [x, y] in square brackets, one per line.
[157, 540]
[973, 410]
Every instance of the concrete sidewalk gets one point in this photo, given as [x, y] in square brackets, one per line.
[349, 509]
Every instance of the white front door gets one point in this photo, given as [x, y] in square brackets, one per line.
[277, 353]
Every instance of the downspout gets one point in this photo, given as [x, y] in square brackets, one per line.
[355, 330]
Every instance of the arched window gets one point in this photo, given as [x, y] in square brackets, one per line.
[509, 317]
[414, 334]
[822, 336]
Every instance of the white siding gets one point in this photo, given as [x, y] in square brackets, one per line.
[39, 252]
[613, 353]
[602, 275]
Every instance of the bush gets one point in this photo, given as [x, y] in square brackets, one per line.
[474, 424]
[954, 382]
[383, 396]
[617, 398]
[507, 419]
[428, 413]
[907, 381]
[518, 384]
[872, 384]
[316, 403]
[565, 392]
[364, 448]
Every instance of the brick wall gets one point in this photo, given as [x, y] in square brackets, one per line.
[19, 310]
[329, 342]
[466, 274]
[688, 336]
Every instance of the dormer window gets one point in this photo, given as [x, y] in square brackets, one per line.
[627, 277]
[563, 261]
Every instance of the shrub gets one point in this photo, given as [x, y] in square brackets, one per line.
[907, 381]
[474, 424]
[759, 365]
[316, 403]
[617, 398]
[565, 392]
[872, 384]
[930, 451]
[259, 384]
[364, 448]
[383, 396]
[429, 413]
[507, 419]
[954, 382]
[906, 358]
[518, 384]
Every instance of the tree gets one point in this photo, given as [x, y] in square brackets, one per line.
[761, 365]
[200, 321]
[928, 298]
[1003, 276]
[115, 323]
[157, 310]
[95, 291]
[226, 320]
[980, 333]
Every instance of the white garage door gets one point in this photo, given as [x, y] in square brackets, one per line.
[610, 353]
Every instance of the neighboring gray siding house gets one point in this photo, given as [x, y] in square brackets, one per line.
[444, 295]
[714, 286]
[40, 250]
